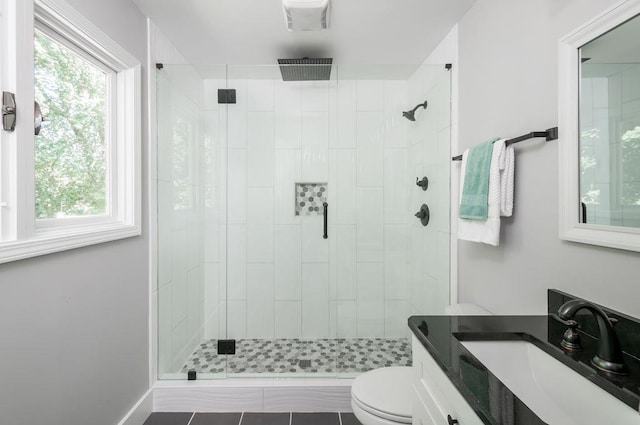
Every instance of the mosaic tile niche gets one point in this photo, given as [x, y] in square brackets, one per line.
[310, 197]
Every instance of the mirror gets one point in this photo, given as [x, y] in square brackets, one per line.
[599, 100]
[610, 127]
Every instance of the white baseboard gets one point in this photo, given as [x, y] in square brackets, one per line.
[140, 411]
[307, 399]
[273, 396]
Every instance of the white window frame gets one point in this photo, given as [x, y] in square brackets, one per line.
[22, 235]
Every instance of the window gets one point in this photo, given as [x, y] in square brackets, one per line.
[77, 182]
[70, 149]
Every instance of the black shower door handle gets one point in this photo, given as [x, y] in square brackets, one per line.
[325, 207]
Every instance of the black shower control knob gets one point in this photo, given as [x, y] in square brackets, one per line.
[423, 183]
[423, 214]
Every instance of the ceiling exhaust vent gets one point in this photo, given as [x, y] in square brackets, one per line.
[306, 15]
[305, 69]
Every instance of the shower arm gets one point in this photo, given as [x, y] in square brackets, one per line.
[424, 105]
[410, 115]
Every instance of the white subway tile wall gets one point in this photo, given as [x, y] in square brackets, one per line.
[315, 300]
[288, 318]
[429, 155]
[370, 150]
[350, 134]
[288, 263]
[263, 272]
[260, 314]
[237, 261]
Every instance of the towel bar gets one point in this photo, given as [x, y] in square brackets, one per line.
[549, 134]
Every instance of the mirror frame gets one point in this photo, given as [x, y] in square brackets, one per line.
[571, 229]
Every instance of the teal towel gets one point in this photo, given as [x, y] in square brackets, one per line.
[475, 192]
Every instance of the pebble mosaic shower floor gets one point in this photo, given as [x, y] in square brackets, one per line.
[296, 356]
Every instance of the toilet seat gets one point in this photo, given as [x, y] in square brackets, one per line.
[384, 396]
[378, 417]
[384, 393]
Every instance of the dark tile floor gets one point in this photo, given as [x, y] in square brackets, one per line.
[185, 418]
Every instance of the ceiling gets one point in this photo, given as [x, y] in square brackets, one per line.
[254, 31]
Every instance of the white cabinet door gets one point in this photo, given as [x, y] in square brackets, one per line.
[436, 395]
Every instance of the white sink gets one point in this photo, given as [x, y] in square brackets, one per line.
[554, 392]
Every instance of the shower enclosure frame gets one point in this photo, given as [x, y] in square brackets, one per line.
[154, 273]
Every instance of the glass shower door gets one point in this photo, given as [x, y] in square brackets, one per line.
[278, 286]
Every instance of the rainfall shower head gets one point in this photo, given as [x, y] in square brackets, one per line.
[305, 69]
[410, 115]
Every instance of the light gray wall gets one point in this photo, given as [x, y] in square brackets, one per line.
[508, 86]
[74, 336]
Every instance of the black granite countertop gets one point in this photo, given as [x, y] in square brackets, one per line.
[441, 336]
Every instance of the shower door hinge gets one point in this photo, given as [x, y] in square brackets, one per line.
[191, 375]
[226, 346]
[448, 66]
[226, 96]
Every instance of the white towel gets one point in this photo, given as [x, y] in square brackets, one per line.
[507, 165]
[486, 231]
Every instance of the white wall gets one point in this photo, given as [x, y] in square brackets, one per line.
[74, 325]
[508, 86]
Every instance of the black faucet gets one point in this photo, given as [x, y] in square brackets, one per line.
[609, 357]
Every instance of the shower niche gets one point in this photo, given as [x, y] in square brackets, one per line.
[310, 198]
[245, 249]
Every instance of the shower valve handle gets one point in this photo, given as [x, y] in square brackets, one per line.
[424, 183]
[423, 214]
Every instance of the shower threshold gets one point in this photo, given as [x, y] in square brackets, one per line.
[301, 357]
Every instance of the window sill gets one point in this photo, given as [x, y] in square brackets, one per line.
[50, 241]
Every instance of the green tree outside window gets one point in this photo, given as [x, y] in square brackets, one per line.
[70, 157]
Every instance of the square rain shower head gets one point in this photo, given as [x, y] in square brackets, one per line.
[305, 69]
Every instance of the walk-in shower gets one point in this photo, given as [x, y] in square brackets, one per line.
[246, 163]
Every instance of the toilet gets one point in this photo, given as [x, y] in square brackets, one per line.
[384, 396]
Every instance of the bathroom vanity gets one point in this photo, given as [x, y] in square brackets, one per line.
[436, 400]
[472, 370]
